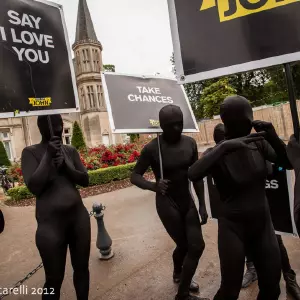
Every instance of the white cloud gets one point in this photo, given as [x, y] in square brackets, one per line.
[135, 34]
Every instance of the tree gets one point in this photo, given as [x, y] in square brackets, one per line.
[134, 137]
[277, 88]
[260, 87]
[213, 96]
[4, 161]
[194, 91]
[250, 85]
[77, 137]
[109, 68]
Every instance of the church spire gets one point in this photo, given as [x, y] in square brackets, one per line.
[85, 32]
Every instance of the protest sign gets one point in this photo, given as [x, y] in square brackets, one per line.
[214, 38]
[134, 102]
[36, 69]
[279, 195]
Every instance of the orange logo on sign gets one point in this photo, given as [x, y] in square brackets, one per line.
[232, 9]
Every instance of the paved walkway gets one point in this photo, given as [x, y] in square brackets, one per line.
[142, 266]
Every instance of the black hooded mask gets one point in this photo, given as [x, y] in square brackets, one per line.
[171, 122]
[237, 116]
[57, 125]
[219, 133]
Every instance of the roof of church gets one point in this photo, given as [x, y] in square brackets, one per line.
[85, 31]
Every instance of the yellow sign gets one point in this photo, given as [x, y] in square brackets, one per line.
[154, 123]
[232, 9]
[40, 101]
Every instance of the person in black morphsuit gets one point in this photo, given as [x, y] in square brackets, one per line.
[2, 222]
[293, 150]
[251, 275]
[238, 166]
[174, 203]
[51, 171]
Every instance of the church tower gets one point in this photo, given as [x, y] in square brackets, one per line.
[88, 65]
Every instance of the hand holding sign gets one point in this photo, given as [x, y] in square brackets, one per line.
[162, 186]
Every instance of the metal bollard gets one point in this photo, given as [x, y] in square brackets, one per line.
[104, 241]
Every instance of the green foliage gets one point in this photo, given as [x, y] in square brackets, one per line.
[260, 87]
[19, 193]
[213, 96]
[250, 85]
[109, 68]
[77, 137]
[4, 161]
[102, 176]
[96, 177]
[278, 86]
[134, 137]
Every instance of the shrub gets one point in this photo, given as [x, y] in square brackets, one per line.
[77, 137]
[115, 155]
[19, 193]
[15, 173]
[110, 174]
[4, 161]
[96, 177]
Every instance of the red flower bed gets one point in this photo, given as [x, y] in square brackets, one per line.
[15, 173]
[103, 157]
[96, 158]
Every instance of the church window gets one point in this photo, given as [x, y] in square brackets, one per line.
[91, 95]
[78, 61]
[82, 95]
[100, 100]
[96, 60]
[86, 59]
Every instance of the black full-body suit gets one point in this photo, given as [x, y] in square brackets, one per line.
[238, 166]
[62, 218]
[176, 208]
[2, 222]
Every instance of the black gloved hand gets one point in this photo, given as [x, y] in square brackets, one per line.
[162, 186]
[293, 152]
[242, 142]
[203, 215]
[54, 146]
[267, 127]
[59, 160]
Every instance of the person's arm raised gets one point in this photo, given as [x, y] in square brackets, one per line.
[274, 148]
[202, 167]
[199, 189]
[139, 170]
[76, 171]
[35, 174]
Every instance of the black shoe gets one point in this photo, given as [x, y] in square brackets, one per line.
[292, 286]
[194, 286]
[190, 297]
[250, 275]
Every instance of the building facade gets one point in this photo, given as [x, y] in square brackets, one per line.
[17, 133]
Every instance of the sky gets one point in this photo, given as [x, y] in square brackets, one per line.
[135, 34]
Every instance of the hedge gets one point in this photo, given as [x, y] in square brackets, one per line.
[97, 177]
